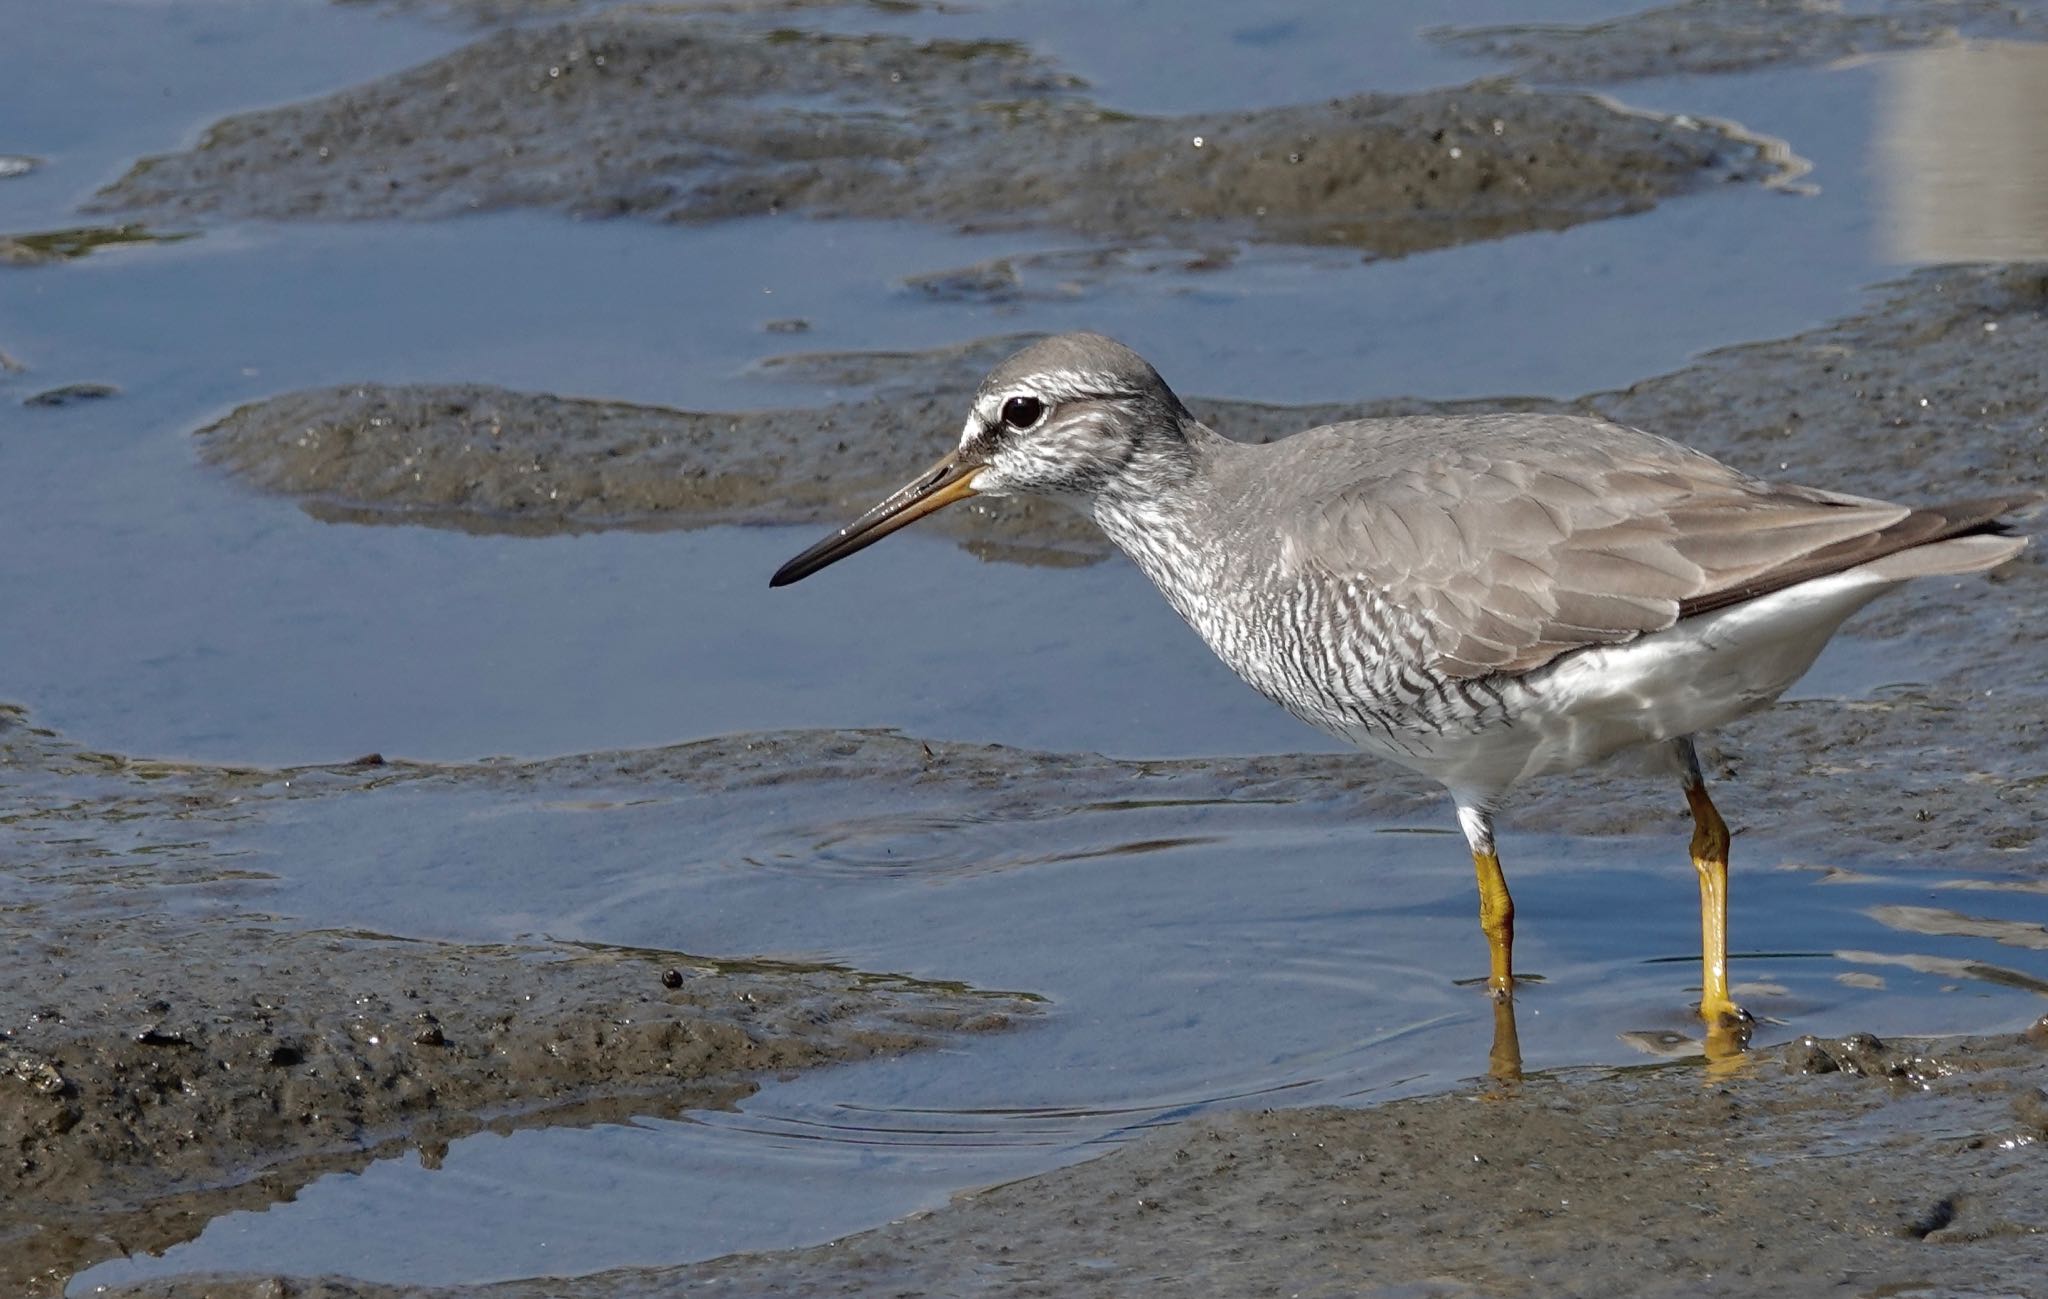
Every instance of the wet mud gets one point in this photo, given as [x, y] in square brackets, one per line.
[487, 459]
[677, 118]
[1902, 1168]
[1716, 36]
[144, 1092]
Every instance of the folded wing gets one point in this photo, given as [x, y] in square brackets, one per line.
[1549, 535]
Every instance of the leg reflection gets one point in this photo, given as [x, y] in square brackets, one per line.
[1504, 1061]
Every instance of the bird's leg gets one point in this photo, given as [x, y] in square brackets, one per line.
[1710, 860]
[1496, 908]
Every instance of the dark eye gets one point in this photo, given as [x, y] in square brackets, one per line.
[1022, 412]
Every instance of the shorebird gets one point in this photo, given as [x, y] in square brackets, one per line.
[1479, 598]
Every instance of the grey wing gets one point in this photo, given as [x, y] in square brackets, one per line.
[1539, 538]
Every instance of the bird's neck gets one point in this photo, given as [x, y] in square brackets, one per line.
[1159, 516]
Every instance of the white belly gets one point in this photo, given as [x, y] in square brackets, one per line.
[1702, 673]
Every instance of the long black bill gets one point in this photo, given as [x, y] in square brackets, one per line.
[950, 480]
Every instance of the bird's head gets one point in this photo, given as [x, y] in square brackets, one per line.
[1077, 416]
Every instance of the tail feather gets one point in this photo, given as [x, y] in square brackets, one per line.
[1972, 553]
[1959, 537]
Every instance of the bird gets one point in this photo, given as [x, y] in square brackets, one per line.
[1480, 598]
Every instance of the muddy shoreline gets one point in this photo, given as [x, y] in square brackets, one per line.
[1933, 392]
[144, 1092]
[1893, 1168]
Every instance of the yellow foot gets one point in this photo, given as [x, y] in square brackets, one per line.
[1719, 1012]
[1501, 992]
[1728, 1028]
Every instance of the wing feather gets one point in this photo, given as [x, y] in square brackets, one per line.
[1518, 538]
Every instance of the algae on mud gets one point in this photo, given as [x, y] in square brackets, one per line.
[675, 118]
[49, 247]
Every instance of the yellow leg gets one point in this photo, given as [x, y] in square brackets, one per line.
[1710, 859]
[1497, 919]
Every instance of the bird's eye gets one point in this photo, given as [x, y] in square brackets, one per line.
[1022, 412]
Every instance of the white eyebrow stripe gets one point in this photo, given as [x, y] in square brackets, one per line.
[1054, 387]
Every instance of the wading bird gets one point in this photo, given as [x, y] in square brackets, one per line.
[1480, 598]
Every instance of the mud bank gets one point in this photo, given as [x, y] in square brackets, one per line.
[486, 459]
[1710, 36]
[144, 1092]
[676, 118]
[1893, 1169]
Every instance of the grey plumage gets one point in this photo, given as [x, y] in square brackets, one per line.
[1517, 538]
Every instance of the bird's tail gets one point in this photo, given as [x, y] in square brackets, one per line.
[1960, 537]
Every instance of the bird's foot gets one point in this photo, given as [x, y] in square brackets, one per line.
[1719, 1012]
[1498, 990]
[1728, 1028]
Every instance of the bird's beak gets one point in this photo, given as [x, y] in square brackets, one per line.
[950, 480]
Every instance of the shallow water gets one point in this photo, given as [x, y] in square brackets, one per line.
[1196, 955]
[1200, 953]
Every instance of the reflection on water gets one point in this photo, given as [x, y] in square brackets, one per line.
[1939, 920]
[935, 847]
[1949, 967]
[1963, 155]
